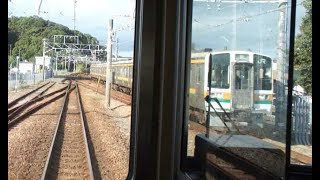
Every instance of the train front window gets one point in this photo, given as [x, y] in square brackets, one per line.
[262, 72]
[242, 76]
[220, 71]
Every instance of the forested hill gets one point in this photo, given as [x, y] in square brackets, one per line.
[26, 34]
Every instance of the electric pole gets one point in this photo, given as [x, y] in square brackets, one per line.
[280, 101]
[65, 64]
[44, 59]
[109, 62]
[74, 18]
[117, 49]
[39, 6]
[56, 63]
[74, 64]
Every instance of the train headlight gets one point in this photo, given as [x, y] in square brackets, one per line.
[263, 97]
[206, 93]
[266, 97]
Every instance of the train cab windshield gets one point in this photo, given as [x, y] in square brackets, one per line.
[220, 71]
[244, 113]
[262, 72]
[242, 76]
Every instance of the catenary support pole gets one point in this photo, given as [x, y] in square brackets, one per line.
[109, 61]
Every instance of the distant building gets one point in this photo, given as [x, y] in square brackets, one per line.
[26, 67]
[39, 63]
[13, 70]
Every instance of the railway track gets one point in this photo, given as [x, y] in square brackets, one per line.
[241, 163]
[121, 97]
[89, 86]
[33, 105]
[13, 105]
[69, 155]
[114, 94]
[228, 169]
[18, 109]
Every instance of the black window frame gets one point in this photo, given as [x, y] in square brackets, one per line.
[152, 132]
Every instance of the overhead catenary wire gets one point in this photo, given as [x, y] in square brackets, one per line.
[244, 18]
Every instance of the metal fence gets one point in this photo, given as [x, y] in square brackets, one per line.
[24, 79]
[302, 120]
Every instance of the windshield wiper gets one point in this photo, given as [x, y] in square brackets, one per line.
[207, 98]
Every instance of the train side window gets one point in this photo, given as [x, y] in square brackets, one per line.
[199, 75]
[192, 77]
[228, 132]
[241, 112]
[130, 72]
[195, 78]
[127, 71]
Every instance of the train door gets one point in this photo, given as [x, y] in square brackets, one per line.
[242, 92]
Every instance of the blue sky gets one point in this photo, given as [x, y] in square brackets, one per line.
[256, 26]
[92, 17]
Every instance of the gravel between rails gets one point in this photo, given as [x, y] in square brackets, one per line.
[109, 132]
[29, 141]
[69, 154]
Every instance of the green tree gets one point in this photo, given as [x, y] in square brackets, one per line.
[26, 34]
[303, 50]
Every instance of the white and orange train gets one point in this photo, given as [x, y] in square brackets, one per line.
[240, 80]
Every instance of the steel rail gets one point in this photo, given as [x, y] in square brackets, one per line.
[44, 173]
[54, 139]
[23, 96]
[84, 132]
[18, 109]
[114, 93]
[36, 97]
[227, 169]
[34, 109]
[39, 95]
